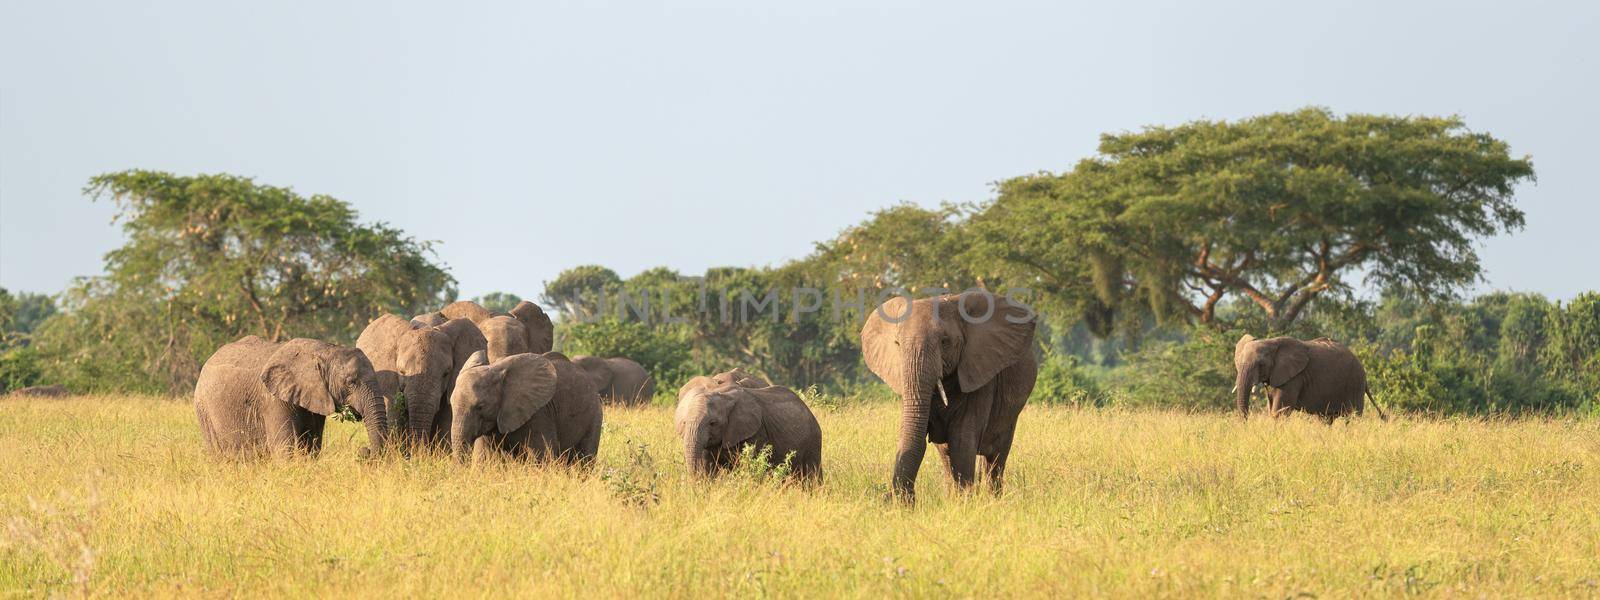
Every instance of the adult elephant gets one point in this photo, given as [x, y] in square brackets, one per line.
[619, 380]
[963, 366]
[1320, 377]
[717, 417]
[256, 396]
[537, 331]
[539, 406]
[421, 362]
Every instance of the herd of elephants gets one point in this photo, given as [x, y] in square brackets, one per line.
[467, 379]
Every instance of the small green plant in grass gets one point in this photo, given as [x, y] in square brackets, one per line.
[816, 398]
[636, 482]
[756, 465]
[397, 411]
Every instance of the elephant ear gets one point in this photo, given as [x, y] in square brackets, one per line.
[1238, 348]
[478, 359]
[878, 346]
[744, 418]
[537, 326]
[297, 374]
[465, 339]
[530, 383]
[1292, 359]
[993, 343]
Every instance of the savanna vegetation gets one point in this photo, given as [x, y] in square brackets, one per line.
[114, 496]
[1144, 263]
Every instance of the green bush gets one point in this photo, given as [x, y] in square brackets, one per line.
[1062, 380]
[20, 368]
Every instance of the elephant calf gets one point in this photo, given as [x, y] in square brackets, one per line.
[618, 380]
[539, 406]
[1320, 377]
[257, 397]
[719, 416]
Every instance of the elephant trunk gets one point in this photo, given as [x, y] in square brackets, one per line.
[695, 456]
[422, 403]
[373, 415]
[461, 440]
[1243, 387]
[917, 385]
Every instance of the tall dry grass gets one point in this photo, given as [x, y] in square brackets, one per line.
[113, 495]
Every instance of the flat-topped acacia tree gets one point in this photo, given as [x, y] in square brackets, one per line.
[1280, 209]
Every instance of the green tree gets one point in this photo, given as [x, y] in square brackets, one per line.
[576, 292]
[1279, 209]
[498, 301]
[210, 258]
[21, 314]
[904, 246]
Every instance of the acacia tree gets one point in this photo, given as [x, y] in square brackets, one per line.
[210, 258]
[1280, 209]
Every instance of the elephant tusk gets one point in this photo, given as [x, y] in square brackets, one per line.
[1235, 389]
[942, 395]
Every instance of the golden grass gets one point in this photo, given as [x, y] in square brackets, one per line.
[114, 496]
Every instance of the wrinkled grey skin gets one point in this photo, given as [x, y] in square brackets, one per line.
[983, 363]
[505, 336]
[538, 406]
[537, 331]
[256, 397]
[1319, 377]
[618, 380]
[717, 417]
[422, 361]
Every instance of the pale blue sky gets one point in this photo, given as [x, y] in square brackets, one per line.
[530, 139]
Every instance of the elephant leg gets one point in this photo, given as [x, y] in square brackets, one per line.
[440, 435]
[969, 417]
[309, 434]
[994, 466]
[280, 428]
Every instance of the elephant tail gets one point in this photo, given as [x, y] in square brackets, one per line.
[1374, 401]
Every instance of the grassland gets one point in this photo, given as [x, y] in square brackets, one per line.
[113, 496]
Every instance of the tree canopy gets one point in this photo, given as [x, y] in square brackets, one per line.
[210, 258]
[1280, 209]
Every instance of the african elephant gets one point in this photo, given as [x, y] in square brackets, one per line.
[421, 361]
[963, 366]
[717, 417]
[1319, 377]
[618, 379]
[537, 330]
[505, 335]
[538, 405]
[256, 396]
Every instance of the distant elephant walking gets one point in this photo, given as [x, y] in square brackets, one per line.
[539, 406]
[420, 363]
[963, 365]
[1320, 377]
[619, 380]
[258, 397]
[717, 417]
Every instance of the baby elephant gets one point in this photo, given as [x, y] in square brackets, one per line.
[719, 416]
[541, 406]
[259, 397]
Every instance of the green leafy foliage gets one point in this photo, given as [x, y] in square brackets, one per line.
[756, 465]
[501, 302]
[1279, 209]
[636, 482]
[212, 258]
